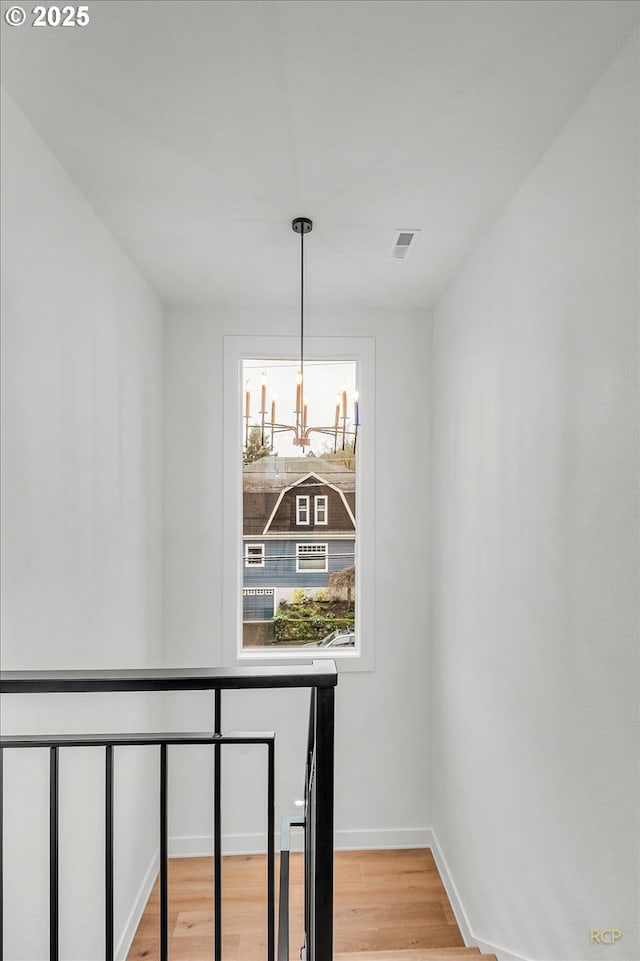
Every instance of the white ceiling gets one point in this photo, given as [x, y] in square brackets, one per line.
[197, 130]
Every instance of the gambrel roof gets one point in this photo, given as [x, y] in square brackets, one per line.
[272, 512]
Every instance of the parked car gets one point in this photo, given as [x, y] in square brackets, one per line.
[342, 637]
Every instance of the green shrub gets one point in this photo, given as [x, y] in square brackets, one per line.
[296, 629]
[309, 620]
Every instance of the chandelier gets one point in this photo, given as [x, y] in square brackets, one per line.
[344, 430]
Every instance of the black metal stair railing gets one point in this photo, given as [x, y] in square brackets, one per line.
[320, 678]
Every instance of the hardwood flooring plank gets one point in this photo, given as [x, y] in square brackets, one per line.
[192, 923]
[390, 915]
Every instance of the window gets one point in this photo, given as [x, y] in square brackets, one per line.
[320, 503]
[330, 583]
[302, 509]
[311, 558]
[254, 555]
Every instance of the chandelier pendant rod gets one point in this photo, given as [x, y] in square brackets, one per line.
[302, 319]
[302, 226]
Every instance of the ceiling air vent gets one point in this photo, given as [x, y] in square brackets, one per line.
[403, 242]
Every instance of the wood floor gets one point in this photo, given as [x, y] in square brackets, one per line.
[384, 901]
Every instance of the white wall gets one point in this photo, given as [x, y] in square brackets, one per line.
[382, 716]
[81, 516]
[535, 556]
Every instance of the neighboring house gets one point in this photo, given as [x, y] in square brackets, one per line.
[298, 528]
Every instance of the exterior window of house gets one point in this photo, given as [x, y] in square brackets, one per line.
[302, 509]
[320, 504]
[296, 578]
[311, 557]
[254, 555]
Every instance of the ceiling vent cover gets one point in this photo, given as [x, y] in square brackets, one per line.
[403, 242]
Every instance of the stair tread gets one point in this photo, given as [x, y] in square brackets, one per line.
[417, 954]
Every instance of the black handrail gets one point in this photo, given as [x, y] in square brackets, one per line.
[320, 677]
[319, 674]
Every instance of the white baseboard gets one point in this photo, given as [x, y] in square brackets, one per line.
[349, 840]
[140, 903]
[358, 839]
[470, 939]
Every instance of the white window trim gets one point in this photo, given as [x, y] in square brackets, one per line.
[299, 499]
[251, 562]
[239, 348]
[325, 499]
[314, 553]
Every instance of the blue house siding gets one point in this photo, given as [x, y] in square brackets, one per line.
[280, 563]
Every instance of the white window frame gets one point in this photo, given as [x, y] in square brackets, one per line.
[312, 549]
[324, 498]
[248, 560]
[303, 503]
[331, 348]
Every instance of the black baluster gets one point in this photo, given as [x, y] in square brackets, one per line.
[1, 854]
[53, 854]
[108, 852]
[217, 830]
[271, 856]
[164, 893]
[323, 824]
